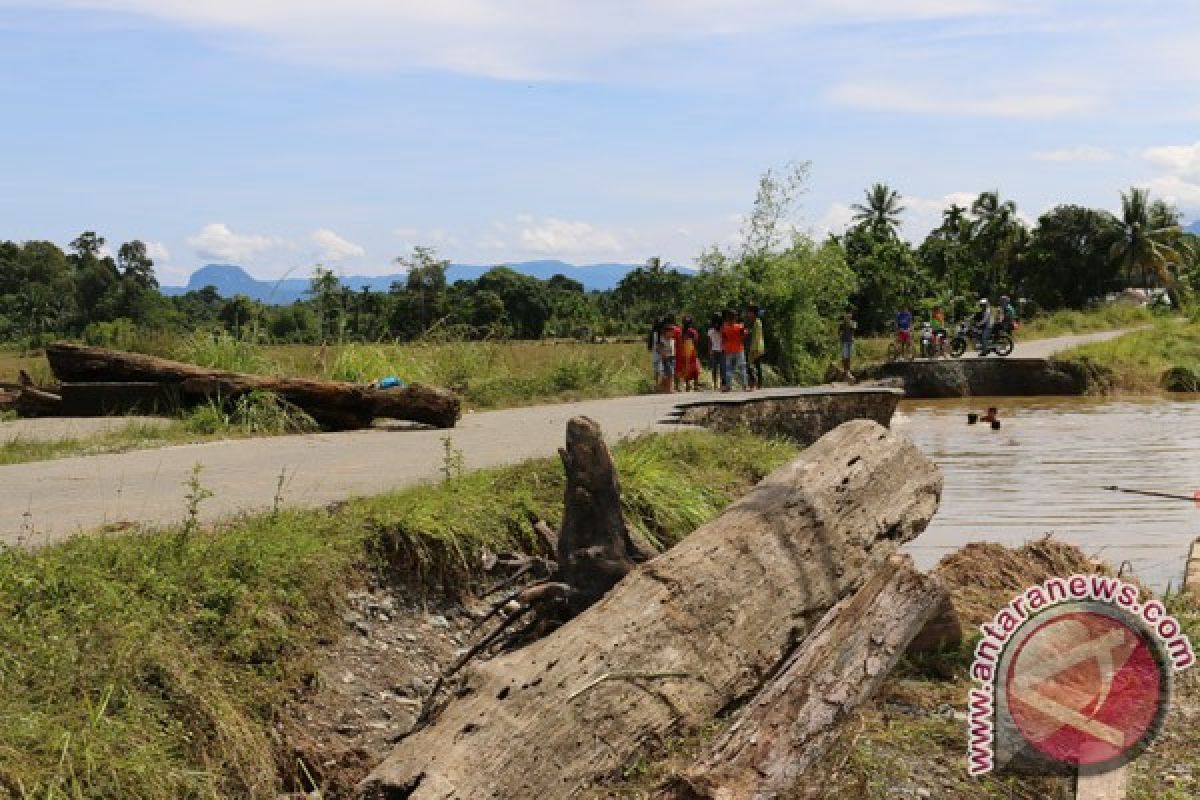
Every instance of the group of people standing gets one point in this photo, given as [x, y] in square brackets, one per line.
[734, 349]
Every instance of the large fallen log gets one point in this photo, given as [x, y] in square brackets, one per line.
[792, 722]
[333, 404]
[680, 637]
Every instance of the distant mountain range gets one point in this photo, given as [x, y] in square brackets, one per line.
[230, 279]
[1194, 228]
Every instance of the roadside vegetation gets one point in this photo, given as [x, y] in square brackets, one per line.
[154, 665]
[254, 414]
[1165, 356]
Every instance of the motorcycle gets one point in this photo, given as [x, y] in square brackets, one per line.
[933, 343]
[1000, 342]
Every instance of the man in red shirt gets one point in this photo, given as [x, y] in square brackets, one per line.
[733, 351]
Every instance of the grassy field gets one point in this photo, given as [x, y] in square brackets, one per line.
[1139, 361]
[154, 665]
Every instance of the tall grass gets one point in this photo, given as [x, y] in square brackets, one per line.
[487, 374]
[221, 350]
[1111, 316]
[1139, 361]
[153, 666]
[253, 413]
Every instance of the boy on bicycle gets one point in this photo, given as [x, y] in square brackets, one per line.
[904, 321]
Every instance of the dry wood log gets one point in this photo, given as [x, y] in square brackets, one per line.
[680, 637]
[796, 716]
[333, 404]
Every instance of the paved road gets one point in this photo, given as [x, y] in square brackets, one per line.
[1044, 348]
[46, 501]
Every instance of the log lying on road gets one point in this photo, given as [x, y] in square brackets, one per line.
[792, 722]
[680, 637]
[333, 404]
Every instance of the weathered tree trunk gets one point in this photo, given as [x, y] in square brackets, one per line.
[680, 637]
[333, 404]
[595, 549]
[794, 719]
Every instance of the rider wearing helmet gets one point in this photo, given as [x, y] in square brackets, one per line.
[983, 321]
[1008, 318]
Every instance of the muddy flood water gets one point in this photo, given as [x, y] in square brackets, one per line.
[1045, 469]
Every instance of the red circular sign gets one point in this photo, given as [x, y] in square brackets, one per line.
[1085, 688]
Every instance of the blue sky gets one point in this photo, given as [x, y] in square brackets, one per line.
[280, 133]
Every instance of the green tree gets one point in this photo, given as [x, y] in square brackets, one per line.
[801, 286]
[1067, 262]
[87, 244]
[946, 255]
[646, 293]
[426, 284]
[998, 238]
[239, 313]
[880, 213]
[1150, 243]
[526, 300]
[136, 265]
[888, 276]
[325, 293]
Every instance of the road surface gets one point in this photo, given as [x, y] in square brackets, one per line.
[46, 501]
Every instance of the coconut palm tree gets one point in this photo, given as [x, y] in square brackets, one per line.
[1150, 243]
[996, 238]
[881, 211]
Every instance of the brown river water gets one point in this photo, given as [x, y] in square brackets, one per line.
[1044, 470]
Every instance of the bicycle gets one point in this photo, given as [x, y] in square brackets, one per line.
[901, 347]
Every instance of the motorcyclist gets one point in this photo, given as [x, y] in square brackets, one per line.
[1008, 319]
[983, 323]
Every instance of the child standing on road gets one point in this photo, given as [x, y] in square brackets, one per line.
[668, 350]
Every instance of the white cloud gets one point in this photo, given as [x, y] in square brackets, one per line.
[891, 98]
[524, 39]
[1083, 152]
[1181, 183]
[836, 220]
[1181, 160]
[158, 251]
[493, 243]
[216, 241]
[332, 247]
[923, 214]
[552, 236]
[1177, 191]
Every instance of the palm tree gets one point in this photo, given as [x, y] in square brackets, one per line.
[881, 213]
[997, 236]
[1149, 242]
